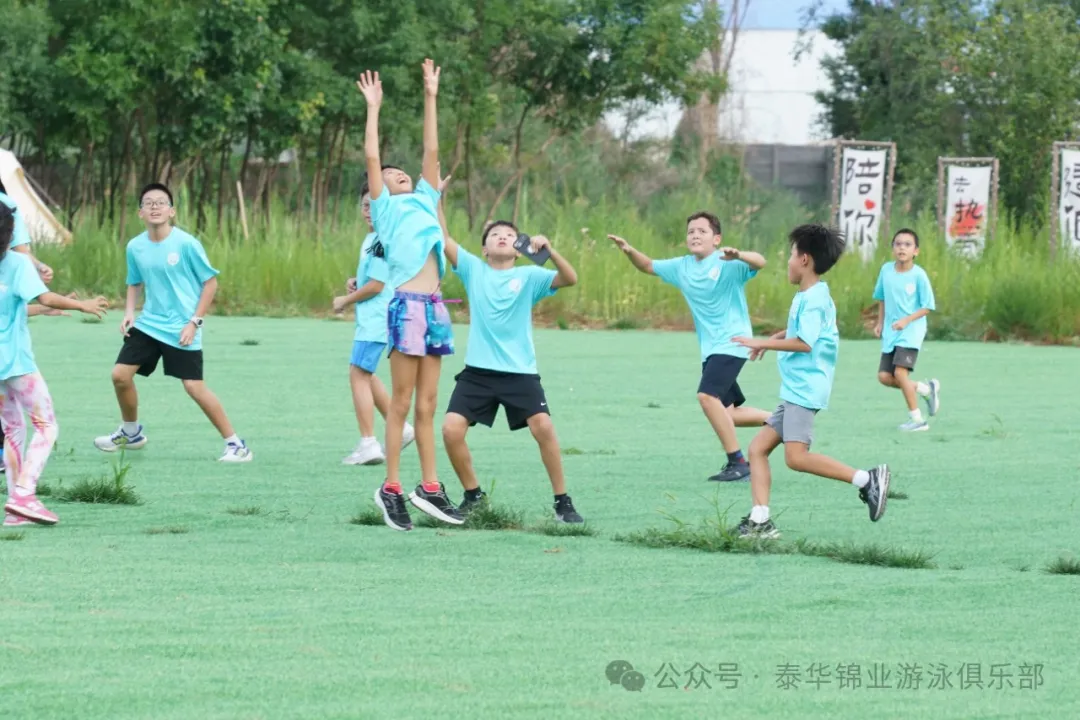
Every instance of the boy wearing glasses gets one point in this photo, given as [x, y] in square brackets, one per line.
[178, 283]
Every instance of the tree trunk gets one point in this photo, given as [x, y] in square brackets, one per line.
[221, 184]
[339, 190]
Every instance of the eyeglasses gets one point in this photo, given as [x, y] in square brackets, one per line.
[155, 204]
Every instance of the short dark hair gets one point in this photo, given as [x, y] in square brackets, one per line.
[823, 244]
[155, 186]
[392, 167]
[714, 222]
[7, 228]
[492, 226]
[364, 190]
[906, 231]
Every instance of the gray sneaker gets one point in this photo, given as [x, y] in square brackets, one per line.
[933, 400]
[876, 491]
[732, 472]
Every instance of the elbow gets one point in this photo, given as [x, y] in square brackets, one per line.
[377, 286]
[569, 280]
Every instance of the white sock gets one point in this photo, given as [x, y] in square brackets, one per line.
[861, 479]
[23, 492]
[131, 429]
[407, 428]
[233, 440]
[369, 440]
[916, 415]
[759, 513]
[922, 388]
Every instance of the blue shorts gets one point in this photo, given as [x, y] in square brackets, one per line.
[365, 355]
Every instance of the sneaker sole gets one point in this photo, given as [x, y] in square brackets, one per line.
[28, 515]
[369, 461]
[744, 478]
[560, 519]
[921, 428]
[883, 483]
[771, 535]
[934, 401]
[386, 515]
[117, 448]
[247, 458]
[428, 509]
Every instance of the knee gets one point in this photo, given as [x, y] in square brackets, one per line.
[885, 378]
[193, 387]
[705, 400]
[542, 428]
[425, 405]
[757, 448]
[454, 429]
[795, 459]
[121, 377]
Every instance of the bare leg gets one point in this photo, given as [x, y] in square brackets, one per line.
[748, 416]
[903, 381]
[210, 405]
[453, 431]
[403, 372]
[800, 459]
[123, 378]
[761, 447]
[427, 389]
[544, 431]
[887, 379]
[361, 382]
[380, 397]
[720, 420]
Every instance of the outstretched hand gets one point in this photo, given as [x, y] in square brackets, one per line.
[443, 181]
[622, 244]
[431, 77]
[730, 253]
[371, 87]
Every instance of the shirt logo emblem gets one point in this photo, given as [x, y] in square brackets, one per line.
[910, 288]
[3, 288]
[173, 259]
[714, 274]
[514, 285]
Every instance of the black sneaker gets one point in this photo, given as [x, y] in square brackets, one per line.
[876, 491]
[565, 512]
[471, 503]
[395, 514]
[749, 529]
[436, 504]
[733, 472]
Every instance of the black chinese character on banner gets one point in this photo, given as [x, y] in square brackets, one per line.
[970, 675]
[1031, 676]
[879, 677]
[667, 674]
[850, 676]
[939, 679]
[788, 677]
[910, 676]
[818, 674]
[697, 676]
[1000, 674]
[727, 674]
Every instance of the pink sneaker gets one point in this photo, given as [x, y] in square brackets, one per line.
[16, 521]
[31, 508]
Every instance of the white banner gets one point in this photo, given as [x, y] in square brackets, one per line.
[1069, 201]
[967, 208]
[862, 198]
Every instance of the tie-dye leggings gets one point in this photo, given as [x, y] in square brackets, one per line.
[20, 396]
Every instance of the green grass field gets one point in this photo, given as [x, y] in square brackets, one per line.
[179, 608]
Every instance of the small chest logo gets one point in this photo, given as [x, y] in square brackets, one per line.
[514, 285]
[3, 289]
[910, 288]
[173, 259]
[714, 274]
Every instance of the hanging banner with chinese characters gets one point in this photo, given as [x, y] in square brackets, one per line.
[967, 208]
[862, 198]
[1069, 201]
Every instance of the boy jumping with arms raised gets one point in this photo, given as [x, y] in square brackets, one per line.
[500, 362]
[806, 355]
[905, 298]
[171, 269]
[713, 282]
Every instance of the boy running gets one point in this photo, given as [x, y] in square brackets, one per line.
[500, 361]
[905, 298]
[22, 389]
[714, 285]
[371, 296]
[806, 355]
[418, 322]
[178, 283]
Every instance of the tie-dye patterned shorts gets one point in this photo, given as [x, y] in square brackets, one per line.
[419, 324]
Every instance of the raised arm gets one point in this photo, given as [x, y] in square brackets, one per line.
[371, 87]
[430, 167]
[95, 306]
[639, 259]
[565, 276]
[755, 260]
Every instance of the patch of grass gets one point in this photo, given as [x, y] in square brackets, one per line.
[12, 536]
[103, 490]
[485, 516]
[90, 320]
[245, 511]
[579, 451]
[1064, 566]
[653, 406]
[44, 489]
[167, 530]
[624, 324]
[249, 342]
[996, 431]
[367, 516]
[562, 324]
[717, 535]
[896, 495]
[558, 529]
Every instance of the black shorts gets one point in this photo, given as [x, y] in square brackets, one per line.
[719, 375]
[899, 357]
[142, 350]
[478, 394]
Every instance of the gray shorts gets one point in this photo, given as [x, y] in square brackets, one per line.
[794, 423]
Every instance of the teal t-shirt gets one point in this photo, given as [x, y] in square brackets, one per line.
[903, 294]
[500, 313]
[371, 313]
[21, 236]
[806, 377]
[172, 273]
[715, 290]
[19, 284]
[408, 226]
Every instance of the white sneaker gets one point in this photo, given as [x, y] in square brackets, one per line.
[933, 400]
[368, 452]
[120, 439]
[407, 436]
[236, 453]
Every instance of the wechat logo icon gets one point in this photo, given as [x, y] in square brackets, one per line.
[620, 672]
